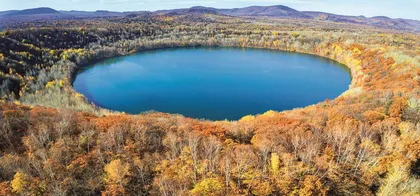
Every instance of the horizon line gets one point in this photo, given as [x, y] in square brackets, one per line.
[120, 11]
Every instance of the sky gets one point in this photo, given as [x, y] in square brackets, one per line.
[408, 9]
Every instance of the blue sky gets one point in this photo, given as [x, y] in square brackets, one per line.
[393, 8]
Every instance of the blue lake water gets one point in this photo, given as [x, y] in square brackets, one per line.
[212, 83]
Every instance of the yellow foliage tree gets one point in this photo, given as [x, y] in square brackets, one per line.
[50, 84]
[116, 172]
[247, 118]
[262, 188]
[209, 186]
[312, 186]
[19, 182]
[269, 113]
[275, 162]
[61, 83]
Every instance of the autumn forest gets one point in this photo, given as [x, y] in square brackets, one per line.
[54, 142]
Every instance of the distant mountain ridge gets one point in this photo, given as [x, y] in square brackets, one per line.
[193, 10]
[2, 13]
[273, 11]
[34, 11]
[277, 11]
[280, 11]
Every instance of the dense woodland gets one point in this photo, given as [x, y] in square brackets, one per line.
[53, 142]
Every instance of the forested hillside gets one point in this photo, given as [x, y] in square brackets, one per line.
[53, 142]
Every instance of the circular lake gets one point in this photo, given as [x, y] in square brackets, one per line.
[212, 83]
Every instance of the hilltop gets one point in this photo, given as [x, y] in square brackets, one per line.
[34, 11]
[273, 11]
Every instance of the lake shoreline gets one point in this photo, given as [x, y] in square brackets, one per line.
[285, 61]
